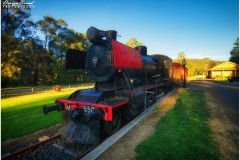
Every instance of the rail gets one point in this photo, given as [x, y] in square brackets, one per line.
[30, 90]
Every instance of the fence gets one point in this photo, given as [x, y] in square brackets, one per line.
[31, 90]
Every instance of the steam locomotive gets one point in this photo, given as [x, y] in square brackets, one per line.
[127, 81]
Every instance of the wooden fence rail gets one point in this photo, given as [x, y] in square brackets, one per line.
[30, 90]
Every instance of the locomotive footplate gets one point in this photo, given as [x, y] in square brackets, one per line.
[115, 102]
[146, 87]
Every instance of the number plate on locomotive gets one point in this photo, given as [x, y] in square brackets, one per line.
[88, 109]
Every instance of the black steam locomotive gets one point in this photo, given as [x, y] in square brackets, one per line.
[127, 81]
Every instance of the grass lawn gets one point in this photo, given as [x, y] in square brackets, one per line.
[183, 133]
[22, 115]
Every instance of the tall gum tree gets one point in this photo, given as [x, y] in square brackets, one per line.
[234, 54]
[51, 27]
[12, 21]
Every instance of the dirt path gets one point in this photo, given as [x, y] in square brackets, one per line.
[223, 104]
[124, 149]
[226, 133]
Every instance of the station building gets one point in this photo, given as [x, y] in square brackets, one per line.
[224, 70]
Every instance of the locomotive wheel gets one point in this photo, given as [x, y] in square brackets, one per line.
[151, 99]
[113, 126]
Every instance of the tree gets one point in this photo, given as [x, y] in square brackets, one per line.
[13, 20]
[51, 27]
[37, 66]
[28, 60]
[24, 59]
[133, 42]
[234, 54]
[181, 56]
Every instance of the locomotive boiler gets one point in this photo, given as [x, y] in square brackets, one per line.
[127, 80]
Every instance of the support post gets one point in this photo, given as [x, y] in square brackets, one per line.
[184, 80]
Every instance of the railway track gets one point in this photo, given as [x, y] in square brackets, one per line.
[30, 148]
[49, 149]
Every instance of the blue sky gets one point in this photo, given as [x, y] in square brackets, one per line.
[199, 28]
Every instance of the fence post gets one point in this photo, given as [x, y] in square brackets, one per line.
[69, 86]
[32, 90]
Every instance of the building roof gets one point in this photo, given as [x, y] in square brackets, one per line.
[225, 66]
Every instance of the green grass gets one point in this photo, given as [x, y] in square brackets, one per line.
[183, 133]
[23, 114]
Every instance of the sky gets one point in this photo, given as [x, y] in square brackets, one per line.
[199, 28]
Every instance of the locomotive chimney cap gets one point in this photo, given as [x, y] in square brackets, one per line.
[96, 34]
[93, 33]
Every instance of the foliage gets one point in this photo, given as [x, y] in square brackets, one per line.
[10, 67]
[183, 133]
[13, 20]
[40, 65]
[29, 60]
[51, 27]
[181, 56]
[133, 42]
[234, 54]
